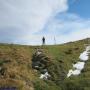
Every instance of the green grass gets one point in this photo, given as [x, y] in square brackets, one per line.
[17, 61]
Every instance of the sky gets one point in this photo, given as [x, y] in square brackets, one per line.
[59, 21]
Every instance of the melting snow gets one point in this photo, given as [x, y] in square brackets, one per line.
[84, 56]
[87, 48]
[69, 73]
[39, 52]
[76, 72]
[73, 72]
[45, 76]
[79, 65]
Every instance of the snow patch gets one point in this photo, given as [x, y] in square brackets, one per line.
[79, 66]
[45, 76]
[73, 72]
[69, 73]
[87, 48]
[38, 53]
[84, 56]
[76, 72]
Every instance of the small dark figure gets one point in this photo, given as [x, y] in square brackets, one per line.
[43, 41]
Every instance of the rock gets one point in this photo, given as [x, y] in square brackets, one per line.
[40, 62]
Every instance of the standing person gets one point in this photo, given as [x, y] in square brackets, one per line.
[43, 41]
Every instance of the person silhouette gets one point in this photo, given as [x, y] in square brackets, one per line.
[43, 41]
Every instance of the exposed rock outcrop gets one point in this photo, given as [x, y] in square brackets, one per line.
[40, 62]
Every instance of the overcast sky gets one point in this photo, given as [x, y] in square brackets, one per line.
[27, 21]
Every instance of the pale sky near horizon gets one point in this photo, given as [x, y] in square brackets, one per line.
[27, 21]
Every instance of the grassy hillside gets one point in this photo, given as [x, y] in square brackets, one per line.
[16, 67]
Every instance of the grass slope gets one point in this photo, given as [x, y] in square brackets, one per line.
[16, 67]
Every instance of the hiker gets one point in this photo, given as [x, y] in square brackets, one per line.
[43, 41]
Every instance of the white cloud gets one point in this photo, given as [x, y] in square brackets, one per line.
[75, 35]
[20, 19]
[29, 15]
